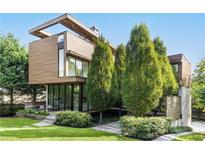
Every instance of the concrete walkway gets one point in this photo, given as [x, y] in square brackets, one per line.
[113, 127]
[198, 126]
[49, 120]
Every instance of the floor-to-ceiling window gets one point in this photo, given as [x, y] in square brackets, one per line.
[61, 100]
[76, 97]
[67, 97]
[50, 96]
[55, 97]
[84, 98]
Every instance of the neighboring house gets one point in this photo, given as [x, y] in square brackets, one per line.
[61, 61]
[182, 69]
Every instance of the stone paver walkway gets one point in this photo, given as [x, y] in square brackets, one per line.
[49, 120]
[113, 127]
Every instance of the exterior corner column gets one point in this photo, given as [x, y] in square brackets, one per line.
[186, 106]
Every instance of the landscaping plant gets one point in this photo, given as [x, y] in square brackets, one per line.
[144, 128]
[119, 66]
[198, 86]
[73, 119]
[32, 111]
[142, 83]
[99, 76]
[170, 85]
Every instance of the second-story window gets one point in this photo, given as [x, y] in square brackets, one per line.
[61, 55]
[76, 67]
[70, 66]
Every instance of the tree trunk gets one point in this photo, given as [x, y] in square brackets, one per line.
[101, 114]
[34, 96]
[11, 96]
[120, 111]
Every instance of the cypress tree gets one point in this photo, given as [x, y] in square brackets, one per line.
[170, 85]
[142, 79]
[119, 65]
[99, 76]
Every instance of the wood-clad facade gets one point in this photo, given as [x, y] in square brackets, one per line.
[43, 58]
[61, 61]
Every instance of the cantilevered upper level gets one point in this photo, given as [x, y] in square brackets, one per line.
[62, 57]
[69, 22]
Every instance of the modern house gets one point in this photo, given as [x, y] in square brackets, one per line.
[61, 62]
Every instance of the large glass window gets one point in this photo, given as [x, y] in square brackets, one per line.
[56, 97]
[61, 97]
[78, 67]
[68, 97]
[50, 96]
[71, 66]
[61, 38]
[76, 97]
[61, 62]
[85, 69]
[84, 98]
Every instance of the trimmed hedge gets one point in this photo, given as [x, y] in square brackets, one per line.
[36, 112]
[73, 119]
[10, 110]
[180, 129]
[143, 127]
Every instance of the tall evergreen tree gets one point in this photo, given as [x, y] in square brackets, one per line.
[14, 70]
[119, 65]
[170, 84]
[198, 86]
[142, 79]
[99, 76]
[13, 59]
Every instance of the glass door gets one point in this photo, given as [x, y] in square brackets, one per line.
[76, 97]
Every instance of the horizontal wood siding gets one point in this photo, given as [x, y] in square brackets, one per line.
[80, 46]
[43, 59]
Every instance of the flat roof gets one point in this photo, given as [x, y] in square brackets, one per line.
[71, 23]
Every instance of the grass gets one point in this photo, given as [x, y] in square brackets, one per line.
[16, 122]
[191, 137]
[22, 129]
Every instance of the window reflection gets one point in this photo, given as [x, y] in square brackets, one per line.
[85, 69]
[76, 67]
[71, 66]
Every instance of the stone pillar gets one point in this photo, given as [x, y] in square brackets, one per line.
[46, 97]
[173, 109]
[186, 107]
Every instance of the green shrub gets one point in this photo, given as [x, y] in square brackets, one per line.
[180, 129]
[9, 110]
[73, 119]
[144, 128]
[37, 112]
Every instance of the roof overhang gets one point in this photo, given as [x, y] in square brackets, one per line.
[68, 21]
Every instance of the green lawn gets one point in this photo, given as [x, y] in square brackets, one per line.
[191, 137]
[22, 129]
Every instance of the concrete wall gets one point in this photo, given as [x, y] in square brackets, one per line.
[173, 107]
[186, 107]
[179, 108]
